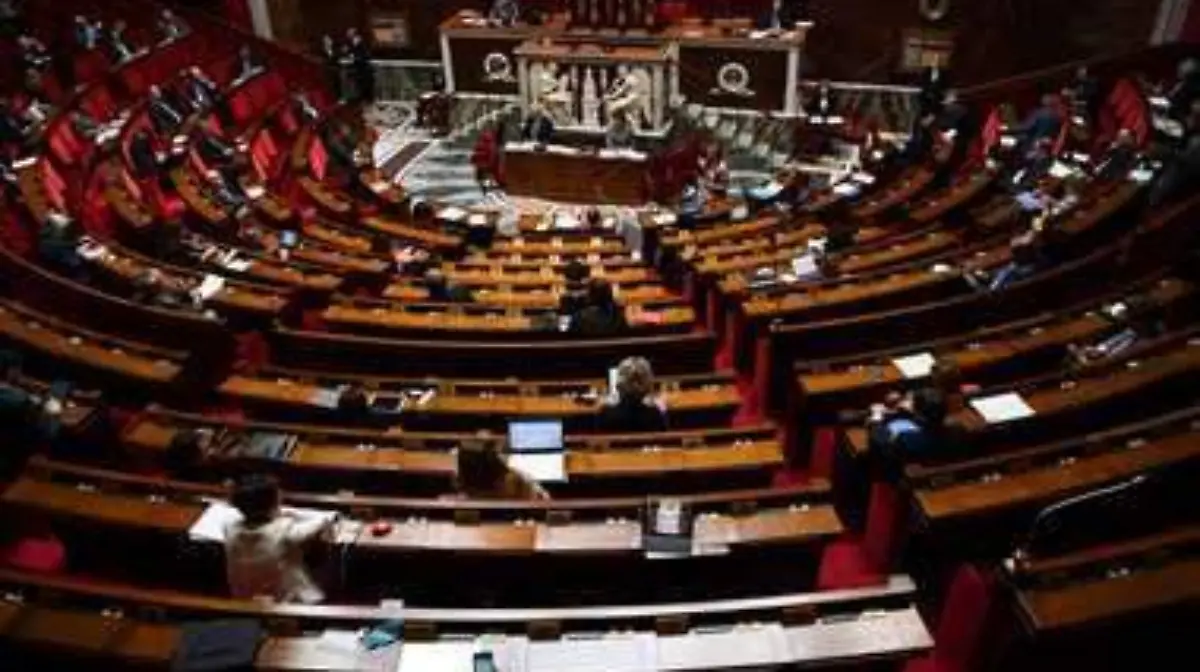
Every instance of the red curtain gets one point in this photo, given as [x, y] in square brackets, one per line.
[237, 12]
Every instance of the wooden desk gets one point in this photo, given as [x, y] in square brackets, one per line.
[571, 176]
[401, 319]
[127, 360]
[977, 354]
[1092, 600]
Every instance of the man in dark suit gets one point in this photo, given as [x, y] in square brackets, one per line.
[602, 317]
[119, 50]
[441, 291]
[1044, 123]
[166, 119]
[360, 65]
[248, 64]
[143, 156]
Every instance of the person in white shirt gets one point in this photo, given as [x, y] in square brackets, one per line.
[264, 552]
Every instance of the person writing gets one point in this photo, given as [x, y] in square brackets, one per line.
[914, 430]
[264, 551]
[483, 474]
[633, 407]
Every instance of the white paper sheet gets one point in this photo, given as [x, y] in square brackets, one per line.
[1060, 170]
[210, 287]
[610, 653]
[452, 214]
[477, 219]
[915, 366]
[1002, 408]
[549, 467]
[255, 192]
[665, 218]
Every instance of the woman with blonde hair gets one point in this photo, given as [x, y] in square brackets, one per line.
[633, 406]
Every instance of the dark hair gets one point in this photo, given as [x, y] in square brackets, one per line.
[256, 496]
[184, 452]
[480, 467]
[435, 280]
[929, 405]
[576, 272]
[422, 210]
[353, 399]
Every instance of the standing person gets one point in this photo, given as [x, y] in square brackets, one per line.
[333, 66]
[360, 66]
[264, 551]
[488, 157]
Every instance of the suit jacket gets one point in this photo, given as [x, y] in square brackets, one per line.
[631, 416]
[1043, 123]
[141, 155]
[594, 321]
[165, 118]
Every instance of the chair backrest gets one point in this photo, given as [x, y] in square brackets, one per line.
[964, 618]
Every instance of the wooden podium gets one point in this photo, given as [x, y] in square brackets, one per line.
[571, 175]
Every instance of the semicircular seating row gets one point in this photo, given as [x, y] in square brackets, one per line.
[282, 327]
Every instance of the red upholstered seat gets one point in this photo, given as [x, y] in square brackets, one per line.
[866, 561]
[962, 627]
[43, 554]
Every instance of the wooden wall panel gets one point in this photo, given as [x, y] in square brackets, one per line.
[854, 39]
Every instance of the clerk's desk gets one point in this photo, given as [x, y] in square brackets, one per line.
[572, 175]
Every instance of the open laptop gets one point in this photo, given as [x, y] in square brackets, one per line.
[535, 448]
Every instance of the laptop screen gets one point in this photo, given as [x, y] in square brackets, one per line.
[535, 435]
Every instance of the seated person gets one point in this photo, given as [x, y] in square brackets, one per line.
[171, 27]
[306, 113]
[13, 129]
[633, 407]
[912, 432]
[200, 92]
[538, 127]
[411, 262]
[144, 159]
[1121, 157]
[1181, 169]
[149, 290]
[1038, 162]
[83, 124]
[57, 241]
[118, 49]
[1133, 321]
[1044, 123]
[186, 456]
[692, 202]
[165, 118]
[87, 33]
[619, 134]
[214, 150]
[441, 291]
[248, 64]
[483, 474]
[264, 552]
[352, 402]
[1026, 259]
[602, 316]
